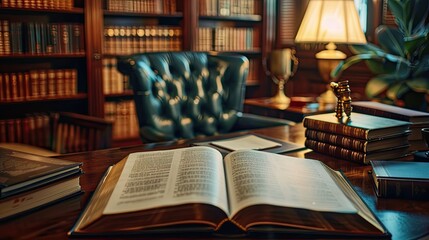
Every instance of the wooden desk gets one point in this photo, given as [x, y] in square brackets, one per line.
[296, 111]
[405, 219]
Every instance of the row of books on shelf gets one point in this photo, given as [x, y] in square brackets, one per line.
[29, 182]
[34, 129]
[48, 132]
[134, 39]
[123, 115]
[39, 4]
[254, 72]
[113, 81]
[226, 39]
[143, 6]
[228, 7]
[38, 84]
[41, 38]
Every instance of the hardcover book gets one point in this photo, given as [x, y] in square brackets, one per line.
[395, 152]
[417, 119]
[29, 182]
[20, 172]
[195, 190]
[390, 111]
[362, 126]
[356, 144]
[398, 179]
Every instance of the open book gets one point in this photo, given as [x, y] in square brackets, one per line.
[193, 189]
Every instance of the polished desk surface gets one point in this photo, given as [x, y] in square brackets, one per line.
[405, 219]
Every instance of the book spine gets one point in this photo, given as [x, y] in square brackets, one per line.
[408, 189]
[6, 37]
[337, 140]
[335, 151]
[380, 113]
[340, 129]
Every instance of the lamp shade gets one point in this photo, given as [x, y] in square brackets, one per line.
[334, 21]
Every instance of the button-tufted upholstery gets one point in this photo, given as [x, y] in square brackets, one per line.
[186, 94]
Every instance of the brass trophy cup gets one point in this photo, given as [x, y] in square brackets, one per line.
[282, 64]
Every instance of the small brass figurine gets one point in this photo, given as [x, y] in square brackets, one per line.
[344, 102]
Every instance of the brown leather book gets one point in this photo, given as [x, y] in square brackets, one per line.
[395, 152]
[362, 126]
[196, 190]
[356, 144]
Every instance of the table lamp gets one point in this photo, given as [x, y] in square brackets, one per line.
[330, 22]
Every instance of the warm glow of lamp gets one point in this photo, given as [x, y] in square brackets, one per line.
[330, 21]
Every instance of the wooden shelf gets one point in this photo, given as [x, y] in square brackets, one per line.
[42, 55]
[80, 96]
[243, 18]
[36, 11]
[108, 13]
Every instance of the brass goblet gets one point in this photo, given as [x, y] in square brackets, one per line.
[282, 65]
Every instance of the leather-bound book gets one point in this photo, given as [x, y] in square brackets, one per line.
[399, 179]
[362, 126]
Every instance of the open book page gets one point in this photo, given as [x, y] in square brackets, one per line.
[246, 142]
[170, 177]
[363, 210]
[255, 177]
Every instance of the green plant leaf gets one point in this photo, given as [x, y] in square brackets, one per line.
[391, 64]
[378, 85]
[343, 65]
[397, 9]
[419, 15]
[419, 84]
[391, 40]
[365, 48]
[397, 90]
[413, 43]
[422, 68]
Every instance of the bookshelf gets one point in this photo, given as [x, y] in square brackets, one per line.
[61, 55]
[43, 64]
[243, 27]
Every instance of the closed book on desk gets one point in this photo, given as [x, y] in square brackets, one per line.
[37, 198]
[390, 111]
[195, 190]
[21, 172]
[417, 119]
[356, 144]
[359, 125]
[29, 182]
[356, 156]
[398, 179]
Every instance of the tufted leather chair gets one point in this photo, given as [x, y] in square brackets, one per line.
[187, 94]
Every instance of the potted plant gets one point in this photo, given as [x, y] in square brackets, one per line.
[401, 62]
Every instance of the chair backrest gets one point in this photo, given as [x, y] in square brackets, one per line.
[185, 94]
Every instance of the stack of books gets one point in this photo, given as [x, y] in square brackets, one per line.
[29, 182]
[417, 119]
[360, 138]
